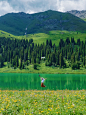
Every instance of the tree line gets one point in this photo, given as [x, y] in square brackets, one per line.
[20, 53]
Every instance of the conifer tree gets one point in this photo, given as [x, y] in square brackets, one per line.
[72, 58]
[61, 61]
[1, 61]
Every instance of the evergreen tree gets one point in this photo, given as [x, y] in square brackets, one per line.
[37, 60]
[72, 58]
[50, 43]
[77, 56]
[57, 58]
[20, 64]
[67, 40]
[53, 59]
[1, 61]
[61, 61]
[69, 56]
[84, 61]
[17, 60]
[78, 42]
[61, 43]
[47, 42]
[8, 56]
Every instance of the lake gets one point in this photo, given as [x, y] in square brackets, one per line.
[22, 81]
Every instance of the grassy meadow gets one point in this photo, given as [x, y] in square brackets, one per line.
[46, 102]
[54, 35]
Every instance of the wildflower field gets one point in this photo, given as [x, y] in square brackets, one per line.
[43, 102]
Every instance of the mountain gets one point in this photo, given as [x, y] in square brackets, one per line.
[21, 23]
[14, 23]
[80, 14]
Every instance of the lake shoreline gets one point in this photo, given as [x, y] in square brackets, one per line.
[42, 72]
[42, 69]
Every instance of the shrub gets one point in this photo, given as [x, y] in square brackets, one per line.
[75, 66]
[48, 63]
[35, 66]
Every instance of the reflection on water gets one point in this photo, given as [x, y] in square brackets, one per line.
[32, 81]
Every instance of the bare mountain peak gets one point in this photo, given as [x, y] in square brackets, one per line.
[80, 14]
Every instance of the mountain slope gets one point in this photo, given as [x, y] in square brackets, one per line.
[14, 23]
[80, 14]
[21, 23]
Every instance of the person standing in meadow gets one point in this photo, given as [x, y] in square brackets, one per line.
[42, 81]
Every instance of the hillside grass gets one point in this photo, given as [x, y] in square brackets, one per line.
[46, 102]
[54, 35]
[84, 19]
[6, 35]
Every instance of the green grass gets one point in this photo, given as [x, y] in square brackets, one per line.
[46, 102]
[54, 35]
[5, 34]
[42, 69]
[84, 19]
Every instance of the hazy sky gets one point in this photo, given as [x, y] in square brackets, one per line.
[33, 6]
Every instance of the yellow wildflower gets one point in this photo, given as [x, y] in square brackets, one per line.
[2, 109]
[15, 101]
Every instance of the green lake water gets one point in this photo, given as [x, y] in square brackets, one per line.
[22, 81]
